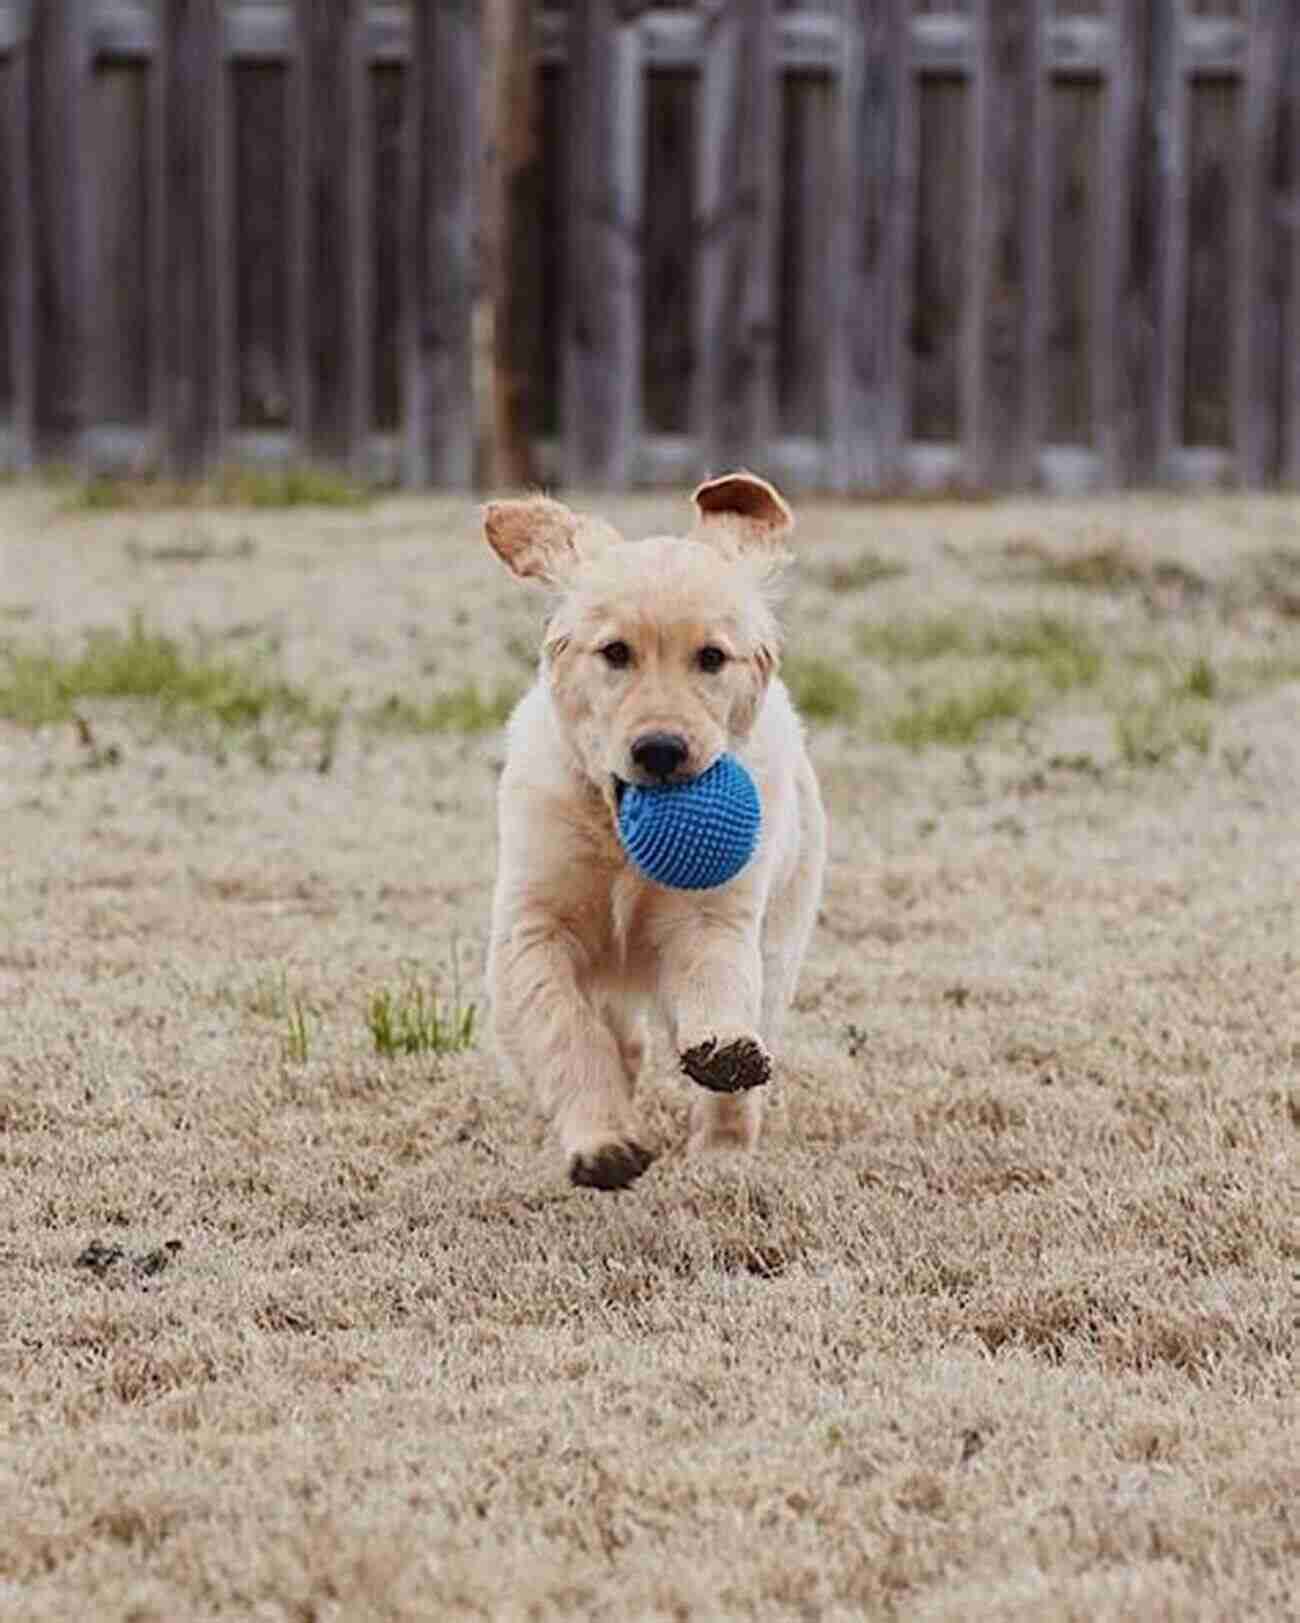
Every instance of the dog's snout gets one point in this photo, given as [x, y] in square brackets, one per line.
[660, 754]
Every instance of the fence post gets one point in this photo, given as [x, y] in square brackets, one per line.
[601, 356]
[438, 246]
[18, 214]
[1003, 348]
[59, 100]
[1143, 239]
[740, 148]
[194, 299]
[871, 244]
[330, 272]
[1288, 206]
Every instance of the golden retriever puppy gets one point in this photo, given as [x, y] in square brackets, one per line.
[660, 656]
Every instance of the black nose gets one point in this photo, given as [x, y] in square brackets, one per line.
[660, 754]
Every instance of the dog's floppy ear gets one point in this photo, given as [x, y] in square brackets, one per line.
[743, 516]
[540, 539]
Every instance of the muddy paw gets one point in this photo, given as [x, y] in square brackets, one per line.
[730, 1067]
[613, 1166]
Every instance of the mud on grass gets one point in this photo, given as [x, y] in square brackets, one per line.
[305, 1321]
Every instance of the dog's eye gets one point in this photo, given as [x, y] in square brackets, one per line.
[711, 658]
[617, 654]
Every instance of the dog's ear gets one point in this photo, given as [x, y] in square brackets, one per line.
[540, 539]
[744, 517]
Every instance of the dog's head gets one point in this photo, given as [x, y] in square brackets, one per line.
[658, 652]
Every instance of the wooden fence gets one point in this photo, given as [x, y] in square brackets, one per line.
[861, 244]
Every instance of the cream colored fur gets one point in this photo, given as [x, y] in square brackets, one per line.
[584, 950]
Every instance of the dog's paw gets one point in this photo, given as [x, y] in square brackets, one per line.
[612, 1166]
[728, 1067]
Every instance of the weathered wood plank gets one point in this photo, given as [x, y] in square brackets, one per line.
[510, 223]
[1287, 205]
[871, 251]
[331, 258]
[740, 148]
[1074, 145]
[804, 225]
[121, 327]
[601, 416]
[1142, 277]
[59, 91]
[940, 270]
[439, 214]
[387, 102]
[1004, 350]
[669, 269]
[266, 314]
[196, 291]
[21, 287]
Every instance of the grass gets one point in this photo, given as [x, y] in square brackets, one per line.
[38, 688]
[822, 689]
[464, 709]
[856, 574]
[955, 720]
[999, 1322]
[413, 1021]
[230, 487]
[42, 687]
[1065, 652]
[1152, 734]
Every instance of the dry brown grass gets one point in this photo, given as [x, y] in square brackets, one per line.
[1002, 1322]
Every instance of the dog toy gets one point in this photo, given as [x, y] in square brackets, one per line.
[696, 835]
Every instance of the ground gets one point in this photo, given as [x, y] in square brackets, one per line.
[300, 1318]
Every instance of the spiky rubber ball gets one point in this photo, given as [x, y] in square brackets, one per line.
[696, 835]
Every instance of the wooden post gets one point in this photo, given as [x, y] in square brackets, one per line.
[18, 213]
[1003, 341]
[740, 150]
[194, 298]
[872, 245]
[442, 136]
[58, 90]
[331, 250]
[1143, 241]
[510, 223]
[601, 417]
[1287, 205]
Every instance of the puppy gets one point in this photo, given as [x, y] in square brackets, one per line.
[659, 656]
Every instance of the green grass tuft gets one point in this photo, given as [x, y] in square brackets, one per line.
[821, 689]
[1065, 652]
[413, 1022]
[301, 486]
[856, 574]
[40, 688]
[461, 710]
[956, 719]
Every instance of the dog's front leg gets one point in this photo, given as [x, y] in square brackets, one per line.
[549, 1030]
[711, 990]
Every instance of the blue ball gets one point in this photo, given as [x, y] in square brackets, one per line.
[696, 835]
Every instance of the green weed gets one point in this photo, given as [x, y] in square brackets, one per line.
[1153, 734]
[231, 487]
[898, 642]
[821, 689]
[956, 719]
[856, 574]
[416, 1022]
[1066, 653]
[460, 710]
[295, 1046]
[40, 688]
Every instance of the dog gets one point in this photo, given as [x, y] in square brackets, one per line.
[659, 656]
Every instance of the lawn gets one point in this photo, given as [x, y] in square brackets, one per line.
[300, 1318]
